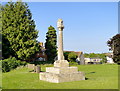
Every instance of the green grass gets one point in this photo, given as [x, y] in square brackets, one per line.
[0, 79]
[98, 77]
[0, 75]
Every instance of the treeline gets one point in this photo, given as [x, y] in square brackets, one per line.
[94, 55]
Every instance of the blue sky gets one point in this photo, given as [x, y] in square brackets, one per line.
[88, 25]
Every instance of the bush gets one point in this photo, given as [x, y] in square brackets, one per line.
[72, 57]
[23, 63]
[11, 63]
[5, 66]
[73, 63]
[66, 55]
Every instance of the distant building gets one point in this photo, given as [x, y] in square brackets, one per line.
[109, 57]
[41, 56]
[109, 60]
[92, 60]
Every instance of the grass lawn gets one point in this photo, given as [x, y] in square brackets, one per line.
[98, 77]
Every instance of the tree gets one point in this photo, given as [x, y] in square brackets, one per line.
[66, 55]
[72, 56]
[18, 31]
[51, 44]
[86, 55]
[103, 57]
[93, 55]
[114, 44]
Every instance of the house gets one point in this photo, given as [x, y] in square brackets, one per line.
[109, 58]
[92, 60]
[41, 56]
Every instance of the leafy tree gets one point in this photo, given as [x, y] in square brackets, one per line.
[18, 31]
[66, 55]
[93, 55]
[51, 44]
[86, 55]
[114, 44]
[72, 56]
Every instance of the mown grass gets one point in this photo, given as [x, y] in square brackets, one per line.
[0, 75]
[98, 77]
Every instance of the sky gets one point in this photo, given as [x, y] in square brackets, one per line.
[63, 0]
[88, 25]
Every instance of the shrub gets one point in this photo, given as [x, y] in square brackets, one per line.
[11, 63]
[5, 66]
[72, 56]
[66, 55]
[73, 63]
[23, 63]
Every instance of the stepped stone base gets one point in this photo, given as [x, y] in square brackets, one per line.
[61, 74]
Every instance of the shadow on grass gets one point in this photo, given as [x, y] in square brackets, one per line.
[31, 71]
[89, 73]
[42, 71]
[86, 78]
[34, 71]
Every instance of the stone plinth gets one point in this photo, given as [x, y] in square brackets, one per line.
[61, 63]
[61, 70]
[62, 74]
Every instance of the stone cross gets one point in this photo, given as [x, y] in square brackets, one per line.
[61, 72]
[60, 39]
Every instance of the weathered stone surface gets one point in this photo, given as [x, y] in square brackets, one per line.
[61, 63]
[37, 69]
[31, 66]
[77, 76]
[42, 76]
[61, 70]
[60, 39]
[57, 78]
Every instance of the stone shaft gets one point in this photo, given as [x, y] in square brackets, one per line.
[60, 44]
